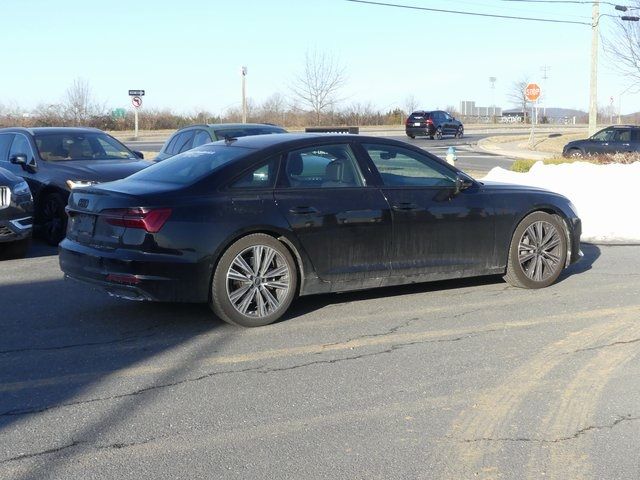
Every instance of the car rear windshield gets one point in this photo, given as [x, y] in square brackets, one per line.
[420, 115]
[192, 165]
[58, 147]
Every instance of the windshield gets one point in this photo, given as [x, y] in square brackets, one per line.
[58, 147]
[192, 165]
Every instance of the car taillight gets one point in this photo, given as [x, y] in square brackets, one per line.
[407, 121]
[429, 122]
[149, 219]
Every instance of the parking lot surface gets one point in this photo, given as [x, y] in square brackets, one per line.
[462, 379]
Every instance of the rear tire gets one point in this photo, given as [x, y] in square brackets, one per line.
[460, 132]
[538, 251]
[255, 282]
[411, 136]
[439, 133]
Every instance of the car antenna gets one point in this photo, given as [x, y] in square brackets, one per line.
[229, 140]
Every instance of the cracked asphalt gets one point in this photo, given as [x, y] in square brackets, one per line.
[456, 380]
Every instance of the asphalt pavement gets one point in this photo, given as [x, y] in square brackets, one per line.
[457, 380]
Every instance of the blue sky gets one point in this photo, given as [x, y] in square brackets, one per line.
[187, 55]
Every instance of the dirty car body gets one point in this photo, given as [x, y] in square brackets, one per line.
[351, 212]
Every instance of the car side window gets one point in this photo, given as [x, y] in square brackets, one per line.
[201, 137]
[323, 166]
[5, 143]
[400, 167]
[184, 141]
[263, 176]
[171, 146]
[20, 145]
[604, 135]
[622, 136]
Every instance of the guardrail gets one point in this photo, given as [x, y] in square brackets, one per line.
[354, 130]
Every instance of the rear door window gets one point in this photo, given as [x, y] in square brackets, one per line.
[201, 137]
[622, 135]
[326, 166]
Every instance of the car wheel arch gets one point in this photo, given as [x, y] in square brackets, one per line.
[43, 193]
[551, 210]
[282, 237]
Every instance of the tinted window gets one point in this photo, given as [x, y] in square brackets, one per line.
[401, 167]
[187, 167]
[5, 143]
[622, 135]
[20, 145]
[604, 135]
[184, 141]
[55, 147]
[326, 166]
[201, 137]
[260, 177]
[171, 145]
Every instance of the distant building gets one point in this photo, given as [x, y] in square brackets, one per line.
[469, 109]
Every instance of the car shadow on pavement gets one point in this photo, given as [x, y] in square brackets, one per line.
[65, 345]
[305, 305]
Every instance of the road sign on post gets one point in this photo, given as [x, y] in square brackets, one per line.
[136, 101]
[532, 92]
[136, 93]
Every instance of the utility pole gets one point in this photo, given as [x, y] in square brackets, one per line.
[593, 86]
[244, 94]
[544, 69]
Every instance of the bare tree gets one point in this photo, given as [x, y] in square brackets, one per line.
[411, 104]
[274, 109]
[517, 96]
[78, 103]
[322, 78]
[622, 45]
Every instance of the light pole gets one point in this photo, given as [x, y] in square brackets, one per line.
[243, 71]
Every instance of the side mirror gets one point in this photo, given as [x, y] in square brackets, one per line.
[19, 159]
[138, 154]
[462, 183]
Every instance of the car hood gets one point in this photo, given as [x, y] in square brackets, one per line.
[576, 143]
[512, 187]
[8, 179]
[100, 170]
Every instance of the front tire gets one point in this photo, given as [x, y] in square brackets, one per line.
[411, 136]
[538, 251]
[460, 132]
[53, 218]
[255, 282]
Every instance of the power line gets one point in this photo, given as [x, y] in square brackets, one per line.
[474, 14]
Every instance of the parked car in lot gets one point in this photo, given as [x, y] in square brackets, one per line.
[195, 135]
[16, 210]
[248, 225]
[433, 124]
[614, 139]
[54, 161]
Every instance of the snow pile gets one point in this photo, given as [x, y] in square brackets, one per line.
[607, 197]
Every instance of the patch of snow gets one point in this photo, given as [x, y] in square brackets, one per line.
[607, 197]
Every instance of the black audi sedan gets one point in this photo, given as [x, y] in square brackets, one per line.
[54, 161]
[16, 209]
[249, 224]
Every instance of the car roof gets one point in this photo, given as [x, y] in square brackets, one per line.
[38, 130]
[263, 141]
[230, 125]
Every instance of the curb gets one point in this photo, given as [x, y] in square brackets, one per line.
[512, 150]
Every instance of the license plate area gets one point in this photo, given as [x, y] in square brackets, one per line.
[82, 224]
[416, 124]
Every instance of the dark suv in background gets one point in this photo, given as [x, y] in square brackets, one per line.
[195, 135]
[16, 208]
[614, 139]
[53, 161]
[434, 124]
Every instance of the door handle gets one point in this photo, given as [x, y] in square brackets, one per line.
[405, 207]
[303, 210]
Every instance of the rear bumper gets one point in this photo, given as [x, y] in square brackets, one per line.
[16, 229]
[420, 131]
[137, 275]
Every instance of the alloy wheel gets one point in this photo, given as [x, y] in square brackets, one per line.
[539, 251]
[258, 281]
